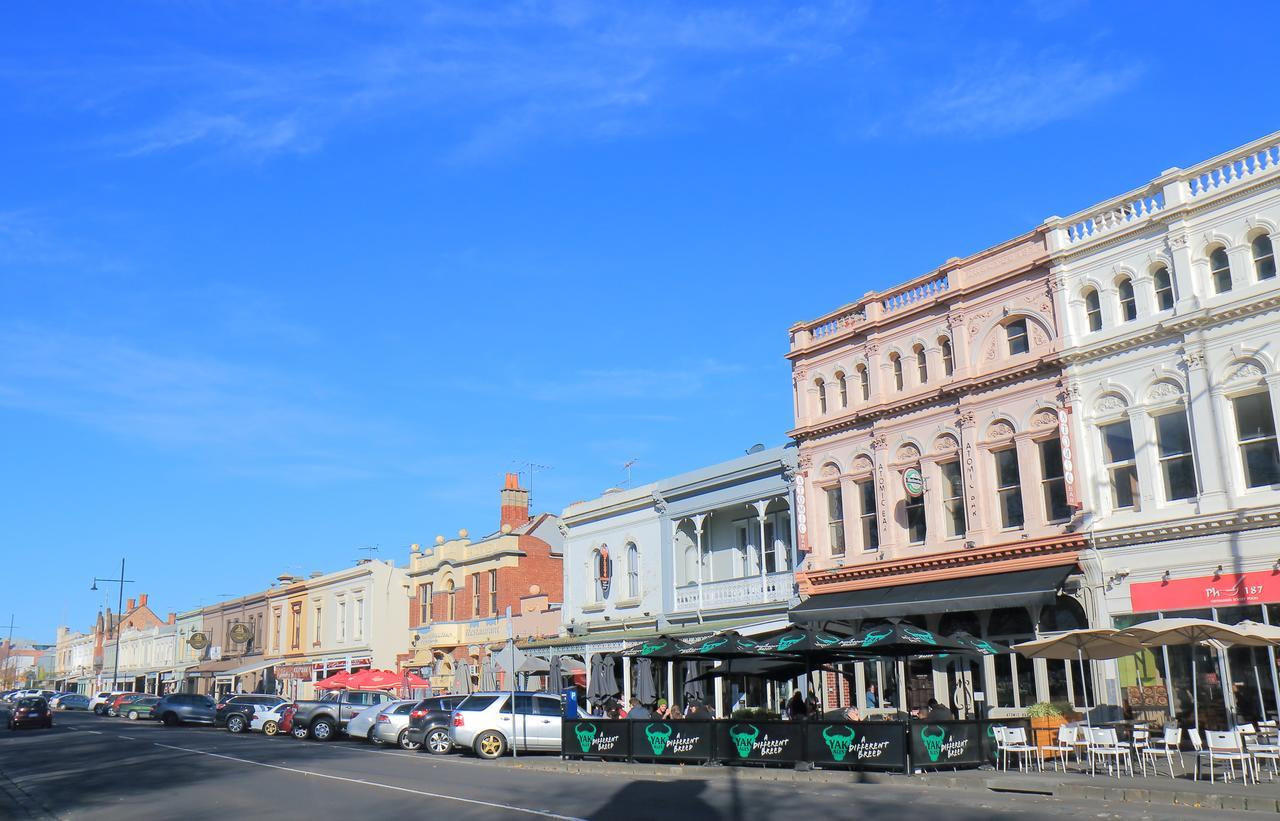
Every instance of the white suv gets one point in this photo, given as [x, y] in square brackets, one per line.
[482, 723]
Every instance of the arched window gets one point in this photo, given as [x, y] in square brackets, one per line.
[452, 600]
[896, 361]
[864, 382]
[1164, 288]
[948, 360]
[633, 571]
[1128, 302]
[1016, 333]
[1264, 258]
[822, 397]
[922, 365]
[843, 385]
[1220, 270]
[1093, 309]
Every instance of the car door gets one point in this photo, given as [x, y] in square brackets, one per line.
[544, 724]
[353, 704]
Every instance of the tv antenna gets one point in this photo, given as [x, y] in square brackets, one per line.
[370, 551]
[627, 468]
[529, 469]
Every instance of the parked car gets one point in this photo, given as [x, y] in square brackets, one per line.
[139, 708]
[113, 707]
[30, 711]
[429, 723]
[184, 708]
[100, 702]
[392, 724]
[242, 707]
[323, 719]
[273, 720]
[361, 724]
[70, 701]
[482, 723]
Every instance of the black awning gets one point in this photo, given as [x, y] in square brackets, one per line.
[1014, 589]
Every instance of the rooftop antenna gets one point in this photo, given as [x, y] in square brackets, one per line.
[529, 468]
[370, 551]
[627, 468]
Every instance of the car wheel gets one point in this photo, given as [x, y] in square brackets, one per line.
[299, 731]
[235, 724]
[490, 745]
[322, 730]
[438, 742]
[405, 743]
[133, 715]
[111, 712]
[170, 720]
[270, 728]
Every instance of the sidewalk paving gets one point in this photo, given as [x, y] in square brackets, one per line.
[1155, 790]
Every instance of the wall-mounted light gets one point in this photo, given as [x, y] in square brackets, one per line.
[1165, 578]
[1217, 574]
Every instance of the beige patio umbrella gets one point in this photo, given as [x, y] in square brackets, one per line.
[1271, 633]
[1184, 631]
[1094, 644]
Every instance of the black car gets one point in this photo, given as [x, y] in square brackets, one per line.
[429, 724]
[31, 711]
[184, 708]
[242, 706]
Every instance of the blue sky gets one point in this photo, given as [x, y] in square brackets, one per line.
[280, 281]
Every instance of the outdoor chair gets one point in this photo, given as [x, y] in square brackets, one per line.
[1012, 741]
[1166, 747]
[1262, 747]
[1103, 743]
[1066, 744]
[1226, 746]
[1139, 741]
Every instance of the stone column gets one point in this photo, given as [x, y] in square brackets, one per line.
[974, 490]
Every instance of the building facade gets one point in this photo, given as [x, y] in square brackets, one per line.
[1170, 303]
[232, 656]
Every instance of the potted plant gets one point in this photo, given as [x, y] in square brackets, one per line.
[1046, 718]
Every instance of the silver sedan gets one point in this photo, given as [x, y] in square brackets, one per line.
[392, 723]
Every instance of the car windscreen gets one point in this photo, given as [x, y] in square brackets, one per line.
[478, 703]
[30, 702]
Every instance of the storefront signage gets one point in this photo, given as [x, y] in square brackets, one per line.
[1148, 696]
[671, 740]
[293, 672]
[596, 737]
[913, 482]
[856, 744]
[946, 744]
[760, 740]
[240, 633]
[1223, 590]
[1068, 457]
[198, 641]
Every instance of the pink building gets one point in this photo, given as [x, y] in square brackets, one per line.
[935, 470]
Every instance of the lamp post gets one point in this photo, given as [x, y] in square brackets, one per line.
[8, 654]
[115, 671]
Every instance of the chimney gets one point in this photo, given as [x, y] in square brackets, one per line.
[142, 600]
[515, 502]
[128, 605]
[173, 618]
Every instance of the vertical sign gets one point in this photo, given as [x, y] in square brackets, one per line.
[802, 526]
[1068, 456]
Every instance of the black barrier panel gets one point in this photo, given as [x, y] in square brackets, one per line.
[864, 744]
[989, 736]
[671, 740]
[946, 744]
[595, 737]
[781, 741]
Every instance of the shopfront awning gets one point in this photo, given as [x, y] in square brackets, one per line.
[1017, 589]
[251, 667]
[219, 667]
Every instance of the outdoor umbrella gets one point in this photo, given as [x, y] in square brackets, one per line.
[554, 676]
[488, 676]
[462, 677]
[695, 686]
[373, 680]
[644, 687]
[810, 645]
[1180, 631]
[334, 682]
[725, 646]
[775, 669]
[983, 646]
[900, 640]
[1100, 643]
[659, 647]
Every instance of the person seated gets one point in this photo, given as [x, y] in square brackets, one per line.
[934, 711]
[674, 713]
[638, 711]
[662, 712]
[851, 713]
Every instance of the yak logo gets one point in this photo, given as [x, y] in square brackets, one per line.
[744, 739]
[933, 741]
[837, 743]
[711, 644]
[658, 735]
[652, 648]
[875, 637]
[784, 643]
[824, 639]
[920, 635]
[586, 733]
[984, 646]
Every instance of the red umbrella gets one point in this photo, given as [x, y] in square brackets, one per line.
[338, 680]
[373, 680]
[410, 679]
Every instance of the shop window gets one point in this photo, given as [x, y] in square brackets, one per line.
[1008, 487]
[1093, 309]
[1164, 288]
[1121, 465]
[1010, 622]
[948, 359]
[1264, 258]
[869, 526]
[1177, 467]
[1016, 334]
[916, 527]
[953, 497]
[959, 621]
[1220, 270]
[1256, 435]
[1064, 614]
[864, 382]
[1053, 481]
[835, 520]
[1128, 301]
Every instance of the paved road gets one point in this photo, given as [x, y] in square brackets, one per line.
[100, 768]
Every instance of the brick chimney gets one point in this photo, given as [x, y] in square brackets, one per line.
[142, 600]
[515, 502]
[173, 618]
[128, 605]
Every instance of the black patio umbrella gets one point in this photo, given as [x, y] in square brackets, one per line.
[775, 669]
[981, 646]
[554, 676]
[659, 647]
[807, 643]
[726, 646]
[644, 687]
[695, 685]
[604, 683]
[902, 640]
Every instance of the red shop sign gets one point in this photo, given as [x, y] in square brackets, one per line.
[1226, 590]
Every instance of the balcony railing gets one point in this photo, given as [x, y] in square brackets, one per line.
[736, 592]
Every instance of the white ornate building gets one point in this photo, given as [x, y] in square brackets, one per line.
[1170, 306]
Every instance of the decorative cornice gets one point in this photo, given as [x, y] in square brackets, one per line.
[1186, 528]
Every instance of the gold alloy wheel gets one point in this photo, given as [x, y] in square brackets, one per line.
[491, 745]
[270, 728]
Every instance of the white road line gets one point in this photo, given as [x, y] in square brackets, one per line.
[490, 804]
[95, 732]
[131, 738]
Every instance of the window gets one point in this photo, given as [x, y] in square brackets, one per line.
[864, 382]
[867, 514]
[916, 526]
[493, 591]
[633, 572]
[1220, 270]
[1256, 433]
[1117, 450]
[319, 613]
[822, 396]
[953, 497]
[922, 365]
[1008, 487]
[475, 594]
[835, 520]
[1177, 467]
[1053, 481]
[295, 615]
[1164, 288]
[342, 621]
[1016, 332]
[1093, 309]
[451, 612]
[897, 370]
[1264, 258]
[1128, 302]
[948, 361]
[359, 619]
[843, 385]
[424, 603]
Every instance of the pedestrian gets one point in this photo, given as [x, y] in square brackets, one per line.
[873, 698]
[811, 704]
[638, 711]
[796, 707]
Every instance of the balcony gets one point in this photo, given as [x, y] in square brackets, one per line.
[741, 592]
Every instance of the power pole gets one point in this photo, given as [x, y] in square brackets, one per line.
[8, 653]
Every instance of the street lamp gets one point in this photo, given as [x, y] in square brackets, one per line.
[115, 671]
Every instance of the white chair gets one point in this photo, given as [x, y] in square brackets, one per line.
[1140, 741]
[1166, 747]
[1013, 742]
[1262, 747]
[1065, 745]
[1226, 746]
[1103, 743]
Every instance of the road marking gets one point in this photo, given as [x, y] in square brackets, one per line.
[131, 738]
[95, 732]
[477, 802]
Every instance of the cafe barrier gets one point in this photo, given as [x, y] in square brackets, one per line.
[672, 740]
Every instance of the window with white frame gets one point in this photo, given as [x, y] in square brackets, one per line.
[451, 601]
[1220, 270]
[316, 639]
[1164, 288]
[475, 595]
[359, 620]
[835, 520]
[1128, 300]
[1008, 487]
[1121, 464]
[948, 360]
[1177, 466]
[1256, 437]
[1016, 333]
[1053, 480]
[1093, 309]
[342, 620]
[424, 603]
[952, 497]
[493, 591]
[633, 571]
[1264, 258]
[868, 524]
[603, 571]
[917, 525]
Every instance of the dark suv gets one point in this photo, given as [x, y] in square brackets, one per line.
[184, 708]
[429, 724]
[242, 705]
